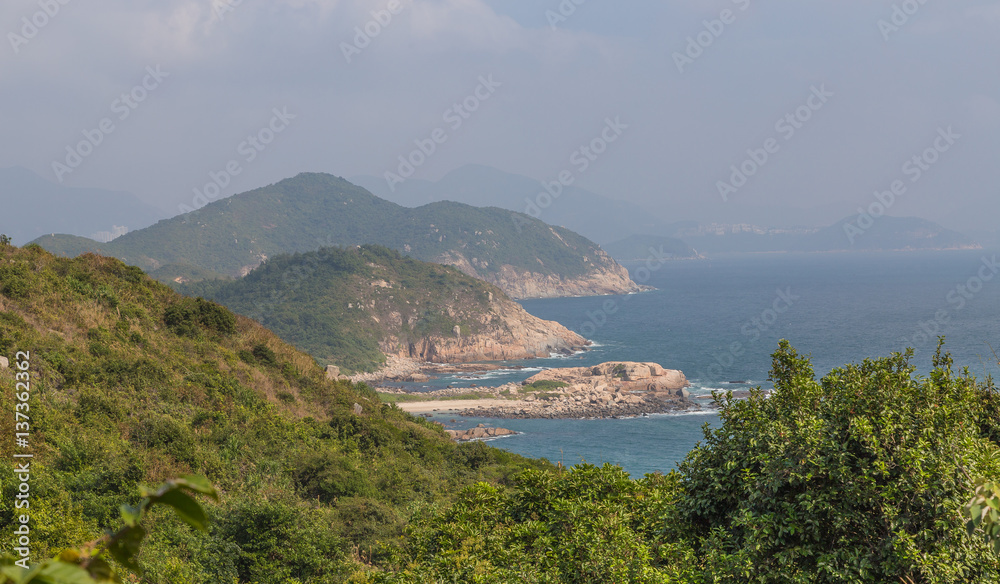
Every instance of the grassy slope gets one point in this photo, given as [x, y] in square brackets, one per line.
[314, 300]
[313, 210]
[132, 383]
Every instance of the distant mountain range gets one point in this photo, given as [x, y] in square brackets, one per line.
[882, 234]
[523, 256]
[594, 216]
[33, 206]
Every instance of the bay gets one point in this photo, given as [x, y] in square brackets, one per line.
[718, 321]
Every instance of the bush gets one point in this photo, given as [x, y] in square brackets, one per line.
[190, 316]
[545, 385]
[265, 356]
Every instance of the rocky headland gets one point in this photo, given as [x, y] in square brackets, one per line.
[605, 277]
[609, 390]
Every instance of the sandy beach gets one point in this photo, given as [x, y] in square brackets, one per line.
[456, 405]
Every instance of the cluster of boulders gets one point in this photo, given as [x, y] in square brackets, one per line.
[614, 389]
[616, 375]
[480, 432]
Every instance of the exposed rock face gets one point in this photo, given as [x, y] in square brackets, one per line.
[606, 277]
[505, 332]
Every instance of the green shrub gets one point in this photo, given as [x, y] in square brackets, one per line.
[265, 356]
[545, 385]
[190, 316]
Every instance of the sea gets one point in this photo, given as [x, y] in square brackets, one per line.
[718, 320]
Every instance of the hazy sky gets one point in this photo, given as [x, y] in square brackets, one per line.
[549, 77]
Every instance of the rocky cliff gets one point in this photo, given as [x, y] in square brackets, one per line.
[605, 276]
[501, 331]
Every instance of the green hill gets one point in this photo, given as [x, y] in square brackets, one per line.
[349, 306]
[133, 383]
[310, 211]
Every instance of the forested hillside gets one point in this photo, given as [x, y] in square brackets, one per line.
[350, 307]
[132, 384]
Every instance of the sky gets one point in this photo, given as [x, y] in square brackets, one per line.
[681, 107]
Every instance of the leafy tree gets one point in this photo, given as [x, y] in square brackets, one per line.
[859, 477]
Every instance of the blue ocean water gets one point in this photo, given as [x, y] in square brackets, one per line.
[718, 321]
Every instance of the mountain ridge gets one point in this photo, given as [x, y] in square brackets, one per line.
[520, 254]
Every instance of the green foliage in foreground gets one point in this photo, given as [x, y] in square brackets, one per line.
[870, 474]
[863, 476]
[94, 563]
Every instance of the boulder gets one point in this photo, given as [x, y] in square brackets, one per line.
[636, 372]
[4, 363]
[332, 372]
[655, 369]
[683, 393]
[358, 409]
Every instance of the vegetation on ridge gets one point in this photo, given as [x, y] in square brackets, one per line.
[313, 210]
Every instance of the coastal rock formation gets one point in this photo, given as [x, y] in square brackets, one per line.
[617, 376]
[480, 432]
[610, 390]
[614, 389]
[605, 277]
[502, 331]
